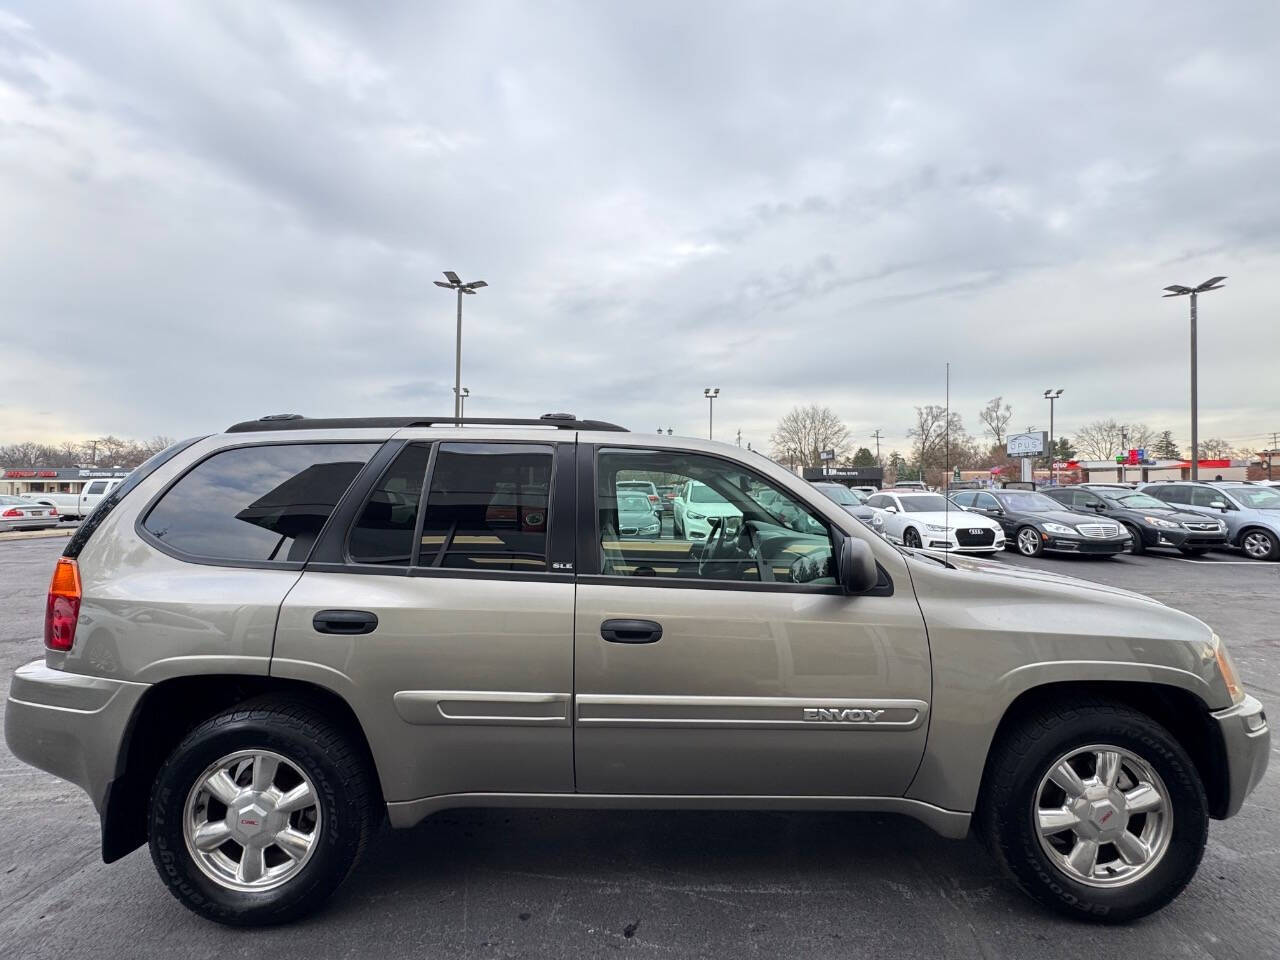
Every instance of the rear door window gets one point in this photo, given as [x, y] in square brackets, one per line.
[383, 533]
[257, 504]
[487, 507]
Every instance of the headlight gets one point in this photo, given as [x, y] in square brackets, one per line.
[1215, 649]
[1163, 524]
[650, 528]
[696, 516]
[1061, 528]
[934, 528]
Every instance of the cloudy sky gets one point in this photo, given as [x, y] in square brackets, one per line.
[215, 211]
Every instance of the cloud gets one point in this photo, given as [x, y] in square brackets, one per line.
[217, 212]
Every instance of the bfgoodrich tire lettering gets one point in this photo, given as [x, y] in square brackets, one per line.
[1019, 762]
[330, 761]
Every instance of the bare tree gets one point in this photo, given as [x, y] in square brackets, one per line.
[929, 436]
[804, 432]
[1215, 448]
[995, 417]
[1105, 439]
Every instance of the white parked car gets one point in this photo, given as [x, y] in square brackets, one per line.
[695, 506]
[928, 520]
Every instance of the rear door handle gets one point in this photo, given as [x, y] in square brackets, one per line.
[349, 622]
[631, 631]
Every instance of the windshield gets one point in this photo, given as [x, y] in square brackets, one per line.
[841, 494]
[1260, 498]
[701, 493]
[634, 503]
[1138, 501]
[1028, 502]
[925, 503]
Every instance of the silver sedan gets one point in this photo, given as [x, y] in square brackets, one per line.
[19, 514]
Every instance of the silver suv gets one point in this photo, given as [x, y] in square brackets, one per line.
[269, 641]
[1250, 511]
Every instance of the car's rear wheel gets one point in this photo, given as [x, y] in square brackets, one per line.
[1029, 542]
[1260, 545]
[260, 813]
[1136, 545]
[1095, 810]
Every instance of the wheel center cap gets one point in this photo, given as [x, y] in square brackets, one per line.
[251, 819]
[1102, 814]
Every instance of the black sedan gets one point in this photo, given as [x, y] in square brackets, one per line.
[1034, 523]
[1150, 522]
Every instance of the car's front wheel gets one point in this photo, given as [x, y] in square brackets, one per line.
[1095, 810]
[1260, 545]
[1029, 542]
[911, 538]
[1136, 546]
[260, 813]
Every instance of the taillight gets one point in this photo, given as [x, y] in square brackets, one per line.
[653, 498]
[12, 512]
[53, 511]
[63, 607]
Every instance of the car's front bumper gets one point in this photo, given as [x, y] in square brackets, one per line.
[69, 724]
[1246, 738]
[950, 543]
[1087, 545]
[1183, 538]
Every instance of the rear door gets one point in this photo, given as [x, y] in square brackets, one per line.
[736, 666]
[440, 606]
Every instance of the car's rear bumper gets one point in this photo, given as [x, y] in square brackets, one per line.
[34, 523]
[69, 724]
[1246, 737]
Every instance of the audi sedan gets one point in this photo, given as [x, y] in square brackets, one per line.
[926, 520]
[1034, 524]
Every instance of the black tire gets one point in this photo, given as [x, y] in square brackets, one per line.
[1136, 546]
[911, 538]
[1022, 756]
[1018, 545]
[677, 530]
[343, 783]
[1193, 551]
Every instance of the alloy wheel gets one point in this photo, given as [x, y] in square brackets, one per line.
[252, 820]
[1028, 542]
[1103, 816]
[1257, 545]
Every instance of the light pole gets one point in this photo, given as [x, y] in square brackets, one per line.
[456, 284]
[1052, 395]
[711, 393]
[462, 407]
[1177, 290]
[667, 431]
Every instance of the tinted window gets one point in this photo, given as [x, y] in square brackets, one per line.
[257, 503]
[98, 486]
[879, 500]
[487, 507]
[1171, 494]
[986, 501]
[964, 498]
[1206, 496]
[734, 525]
[923, 503]
[383, 533]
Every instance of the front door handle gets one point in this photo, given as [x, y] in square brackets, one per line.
[348, 622]
[631, 631]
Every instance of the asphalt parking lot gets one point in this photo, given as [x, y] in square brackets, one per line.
[574, 884]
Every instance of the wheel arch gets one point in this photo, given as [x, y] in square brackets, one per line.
[1179, 710]
[168, 712]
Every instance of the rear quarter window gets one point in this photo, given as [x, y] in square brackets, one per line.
[256, 504]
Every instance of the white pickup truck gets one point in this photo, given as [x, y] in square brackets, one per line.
[76, 506]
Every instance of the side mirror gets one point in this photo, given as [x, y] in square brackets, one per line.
[1219, 505]
[857, 569]
[1098, 506]
[890, 509]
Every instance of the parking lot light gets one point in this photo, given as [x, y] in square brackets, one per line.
[711, 393]
[1177, 290]
[455, 283]
[1052, 395]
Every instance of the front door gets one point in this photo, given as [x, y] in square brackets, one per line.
[733, 664]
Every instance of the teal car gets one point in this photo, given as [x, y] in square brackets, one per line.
[636, 516]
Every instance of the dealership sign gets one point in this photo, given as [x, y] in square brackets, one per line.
[1027, 444]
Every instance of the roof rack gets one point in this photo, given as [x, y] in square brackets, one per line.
[296, 421]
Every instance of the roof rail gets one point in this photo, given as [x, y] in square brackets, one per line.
[295, 421]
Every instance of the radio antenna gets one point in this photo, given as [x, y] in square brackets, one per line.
[946, 477]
